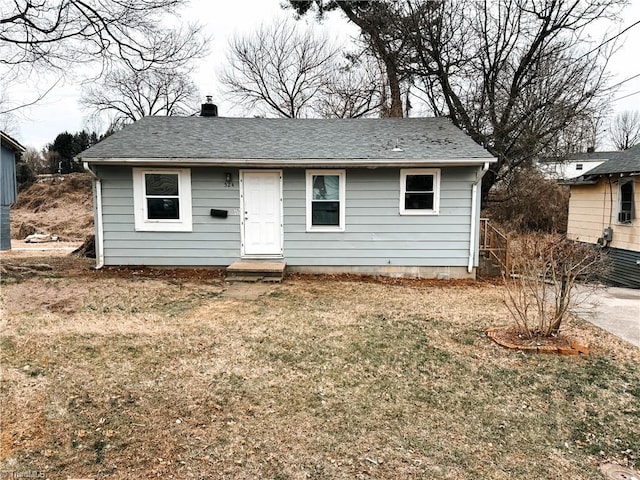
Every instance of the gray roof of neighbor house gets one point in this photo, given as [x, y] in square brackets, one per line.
[627, 161]
[284, 141]
[11, 143]
[581, 157]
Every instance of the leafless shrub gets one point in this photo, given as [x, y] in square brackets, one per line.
[529, 202]
[544, 272]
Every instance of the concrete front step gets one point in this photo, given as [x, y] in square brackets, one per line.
[255, 271]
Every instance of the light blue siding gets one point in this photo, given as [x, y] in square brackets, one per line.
[375, 234]
[5, 228]
[8, 194]
[8, 187]
[213, 241]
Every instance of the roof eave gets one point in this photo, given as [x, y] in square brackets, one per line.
[11, 143]
[287, 162]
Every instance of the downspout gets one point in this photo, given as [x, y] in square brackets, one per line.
[98, 220]
[474, 203]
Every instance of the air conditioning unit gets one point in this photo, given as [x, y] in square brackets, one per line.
[624, 217]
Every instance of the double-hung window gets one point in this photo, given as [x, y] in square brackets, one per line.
[419, 191]
[325, 200]
[162, 200]
[625, 203]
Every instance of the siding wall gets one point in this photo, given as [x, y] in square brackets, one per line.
[213, 241]
[8, 187]
[5, 228]
[594, 207]
[8, 194]
[625, 268]
[375, 235]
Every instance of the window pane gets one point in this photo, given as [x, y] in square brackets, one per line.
[326, 187]
[161, 184]
[419, 183]
[163, 208]
[418, 201]
[325, 213]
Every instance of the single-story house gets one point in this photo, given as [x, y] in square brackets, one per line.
[574, 165]
[9, 151]
[380, 196]
[603, 210]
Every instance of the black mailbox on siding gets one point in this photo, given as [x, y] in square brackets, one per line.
[219, 213]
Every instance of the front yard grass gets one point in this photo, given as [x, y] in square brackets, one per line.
[130, 375]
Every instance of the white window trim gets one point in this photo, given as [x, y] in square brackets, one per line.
[619, 202]
[436, 190]
[144, 224]
[342, 200]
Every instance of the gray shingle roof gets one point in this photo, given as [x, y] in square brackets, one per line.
[289, 140]
[627, 161]
[9, 142]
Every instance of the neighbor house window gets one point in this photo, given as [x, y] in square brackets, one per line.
[325, 200]
[419, 191]
[162, 200]
[625, 207]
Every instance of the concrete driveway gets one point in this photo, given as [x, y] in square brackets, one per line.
[616, 310]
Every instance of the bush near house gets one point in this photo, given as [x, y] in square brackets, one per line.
[529, 202]
[540, 286]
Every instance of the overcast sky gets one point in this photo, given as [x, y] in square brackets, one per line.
[60, 111]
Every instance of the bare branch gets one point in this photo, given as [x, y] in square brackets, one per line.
[59, 33]
[127, 96]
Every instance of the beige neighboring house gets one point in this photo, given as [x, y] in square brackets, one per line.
[604, 209]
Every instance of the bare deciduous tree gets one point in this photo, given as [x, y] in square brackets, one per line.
[512, 73]
[280, 69]
[126, 96]
[285, 71]
[624, 131]
[52, 36]
[34, 159]
[353, 90]
[379, 24]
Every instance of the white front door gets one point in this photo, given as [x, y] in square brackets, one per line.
[261, 201]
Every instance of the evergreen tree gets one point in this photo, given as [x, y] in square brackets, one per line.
[65, 147]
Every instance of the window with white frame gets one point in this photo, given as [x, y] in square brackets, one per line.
[325, 200]
[162, 200]
[625, 202]
[419, 191]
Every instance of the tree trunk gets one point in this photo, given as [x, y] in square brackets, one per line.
[395, 109]
[373, 31]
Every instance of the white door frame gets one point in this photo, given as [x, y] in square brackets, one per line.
[242, 215]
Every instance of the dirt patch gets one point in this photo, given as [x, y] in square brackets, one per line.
[62, 206]
[564, 343]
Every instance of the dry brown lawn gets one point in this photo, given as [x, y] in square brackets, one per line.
[133, 374]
